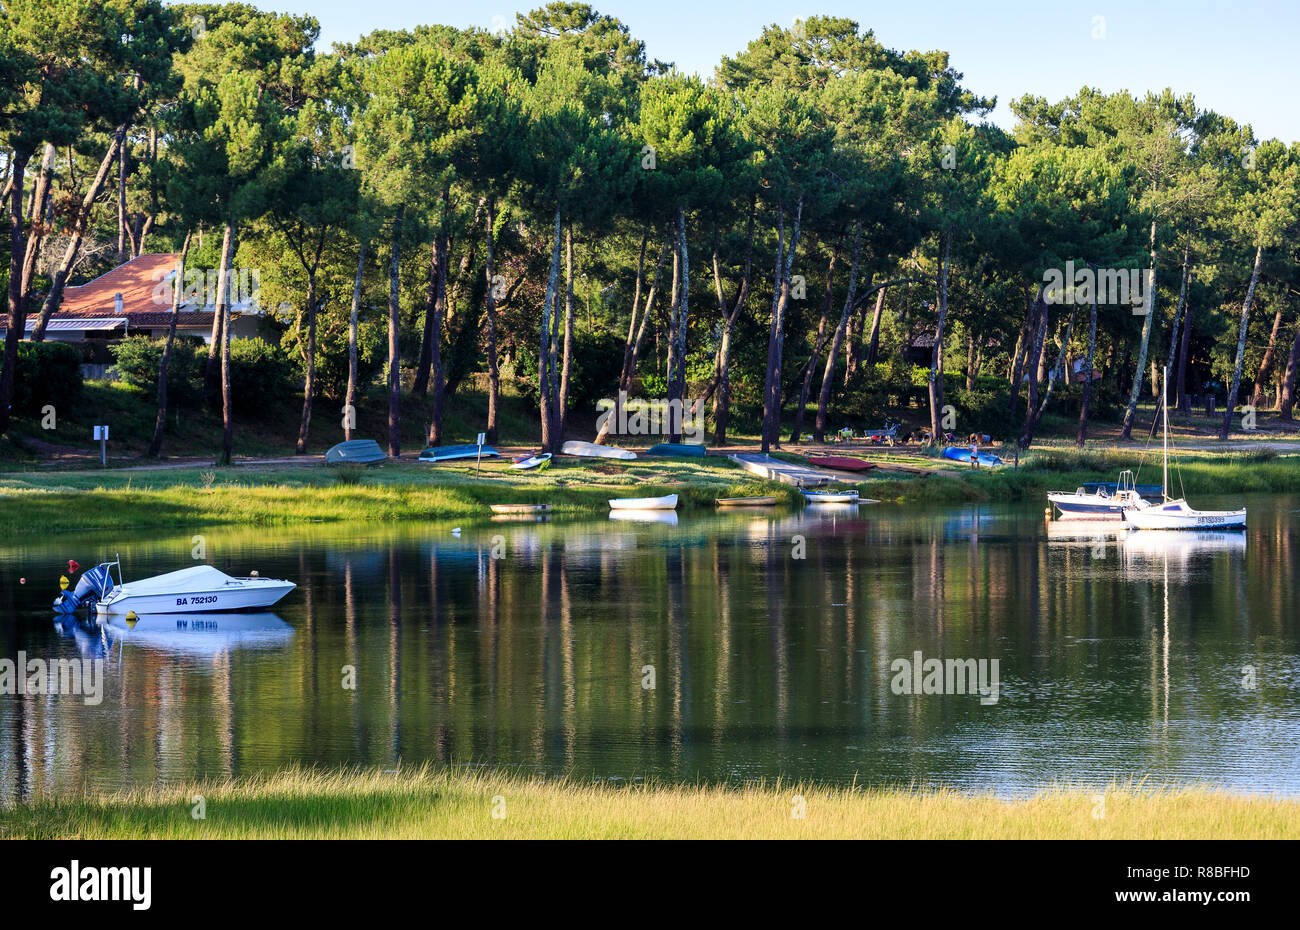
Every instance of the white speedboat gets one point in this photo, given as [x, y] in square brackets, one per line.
[191, 590]
[667, 502]
[1178, 514]
[1104, 502]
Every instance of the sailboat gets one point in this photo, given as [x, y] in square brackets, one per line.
[1178, 514]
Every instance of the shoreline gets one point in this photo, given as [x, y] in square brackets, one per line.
[278, 494]
[427, 802]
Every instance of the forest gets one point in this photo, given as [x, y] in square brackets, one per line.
[821, 231]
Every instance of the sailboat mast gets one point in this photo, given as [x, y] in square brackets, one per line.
[1164, 404]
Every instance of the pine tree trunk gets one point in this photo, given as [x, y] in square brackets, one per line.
[828, 375]
[1178, 310]
[309, 382]
[178, 292]
[677, 390]
[1021, 353]
[1287, 403]
[722, 399]
[212, 370]
[54, 298]
[1266, 364]
[776, 337]
[223, 310]
[1130, 415]
[873, 343]
[350, 396]
[394, 343]
[1231, 407]
[17, 307]
[1184, 401]
[936, 356]
[819, 343]
[550, 442]
[430, 337]
[567, 365]
[494, 373]
[1087, 371]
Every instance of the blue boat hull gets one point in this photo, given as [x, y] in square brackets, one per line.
[451, 453]
[959, 454]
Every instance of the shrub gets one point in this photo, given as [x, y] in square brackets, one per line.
[46, 373]
[137, 358]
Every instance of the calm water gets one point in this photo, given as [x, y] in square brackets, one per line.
[1116, 658]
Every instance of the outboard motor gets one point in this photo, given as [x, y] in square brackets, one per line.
[93, 586]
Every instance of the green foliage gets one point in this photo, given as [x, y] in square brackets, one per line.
[137, 360]
[48, 373]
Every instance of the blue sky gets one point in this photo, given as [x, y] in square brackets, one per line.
[1237, 57]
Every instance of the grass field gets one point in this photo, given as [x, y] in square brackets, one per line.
[299, 493]
[482, 805]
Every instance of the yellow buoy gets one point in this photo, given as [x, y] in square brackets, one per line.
[131, 619]
[63, 582]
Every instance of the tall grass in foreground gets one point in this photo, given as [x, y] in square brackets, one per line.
[458, 804]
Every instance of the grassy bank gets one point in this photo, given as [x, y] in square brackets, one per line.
[287, 494]
[270, 495]
[424, 803]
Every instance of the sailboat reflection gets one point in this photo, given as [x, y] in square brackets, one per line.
[1184, 545]
[200, 633]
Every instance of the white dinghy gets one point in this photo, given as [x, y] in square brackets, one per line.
[667, 502]
[191, 590]
[1178, 514]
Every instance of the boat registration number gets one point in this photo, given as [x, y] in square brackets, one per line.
[196, 599]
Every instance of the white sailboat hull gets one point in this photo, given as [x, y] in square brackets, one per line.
[1176, 515]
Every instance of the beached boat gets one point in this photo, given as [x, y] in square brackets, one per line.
[520, 508]
[202, 588]
[453, 453]
[541, 461]
[761, 501]
[356, 452]
[1178, 514]
[840, 462]
[667, 502]
[963, 454]
[591, 450]
[833, 497]
[686, 449]
[1101, 504]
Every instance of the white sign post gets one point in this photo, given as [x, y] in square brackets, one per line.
[478, 461]
[101, 433]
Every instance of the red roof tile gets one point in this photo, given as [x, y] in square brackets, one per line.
[135, 280]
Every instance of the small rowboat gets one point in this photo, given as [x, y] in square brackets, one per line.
[591, 450]
[668, 502]
[840, 462]
[452, 453]
[541, 461]
[356, 452]
[520, 508]
[831, 497]
[687, 449]
[747, 501]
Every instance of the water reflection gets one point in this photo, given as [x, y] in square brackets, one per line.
[729, 646]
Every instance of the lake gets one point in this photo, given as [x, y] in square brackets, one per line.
[725, 648]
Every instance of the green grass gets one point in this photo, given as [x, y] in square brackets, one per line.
[267, 495]
[402, 491]
[461, 804]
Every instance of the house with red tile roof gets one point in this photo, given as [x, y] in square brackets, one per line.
[135, 299]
